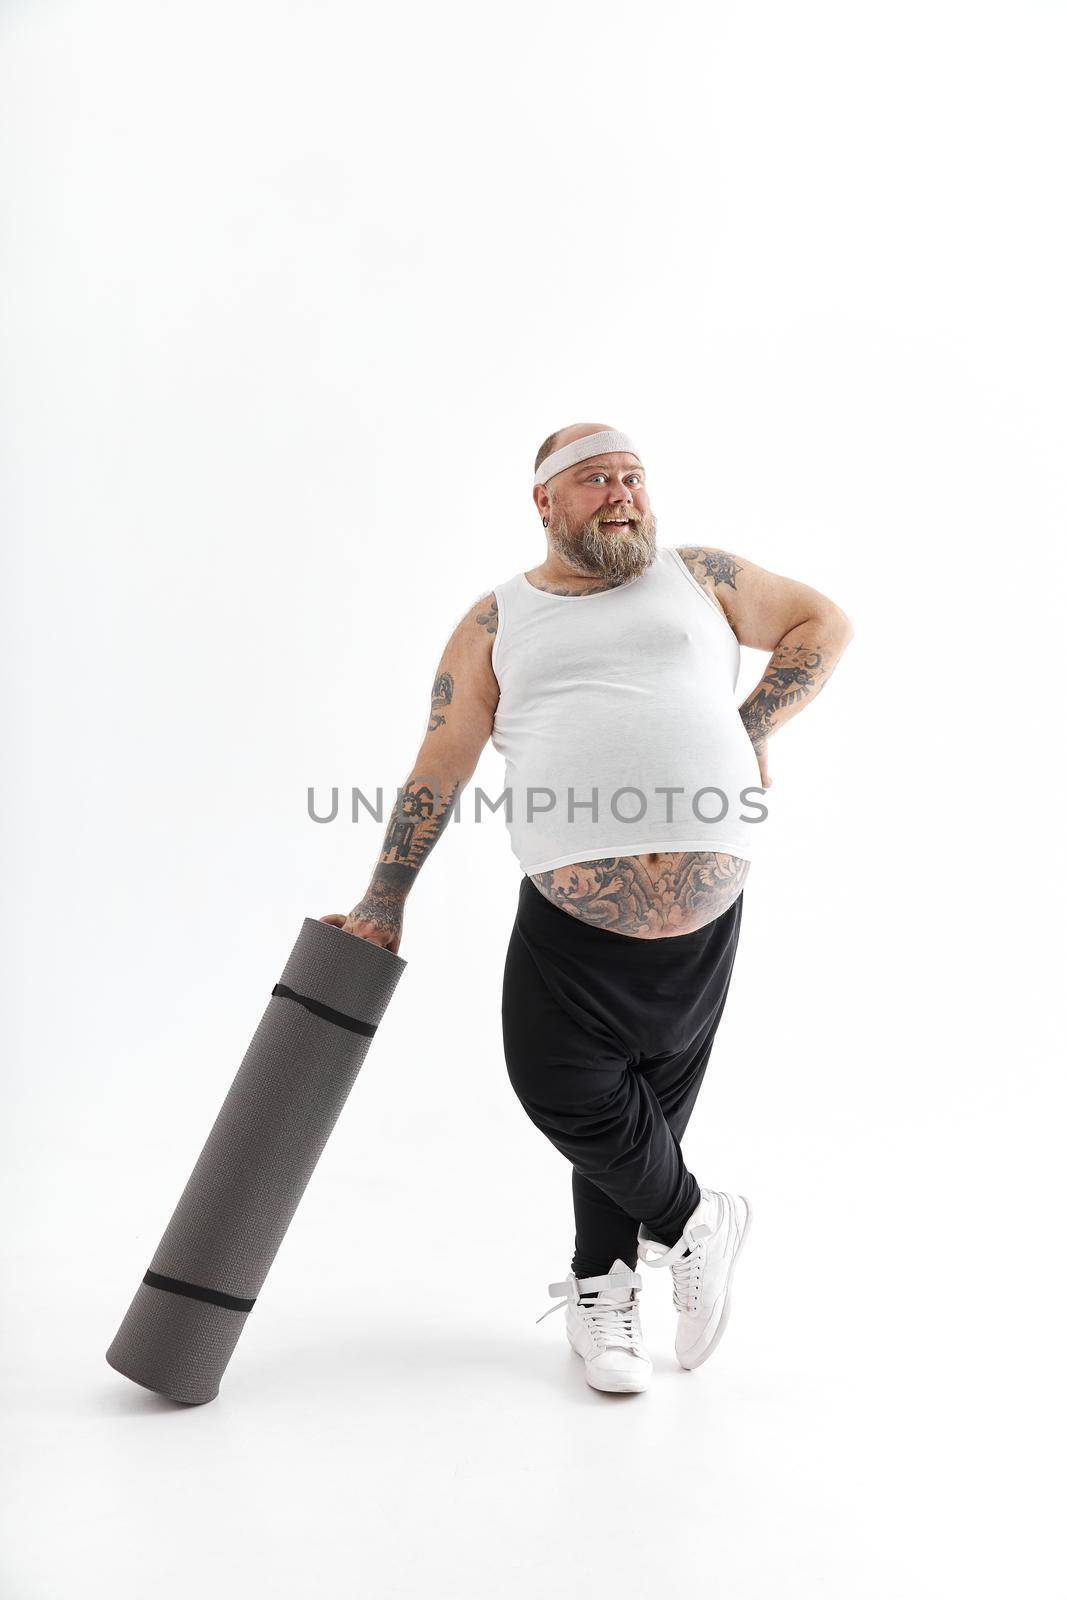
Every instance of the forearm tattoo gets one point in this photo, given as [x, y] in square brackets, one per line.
[441, 697]
[418, 819]
[647, 896]
[793, 674]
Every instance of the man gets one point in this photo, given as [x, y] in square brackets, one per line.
[608, 672]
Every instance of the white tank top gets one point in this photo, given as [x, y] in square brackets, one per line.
[607, 697]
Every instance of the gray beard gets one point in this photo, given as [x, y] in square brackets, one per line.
[616, 554]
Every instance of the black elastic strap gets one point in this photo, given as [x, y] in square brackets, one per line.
[196, 1291]
[353, 1024]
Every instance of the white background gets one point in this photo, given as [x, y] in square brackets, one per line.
[291, 295]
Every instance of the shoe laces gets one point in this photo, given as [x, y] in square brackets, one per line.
[608, 1321]
[686, 1275]
[686, 1259]
[613, 1324]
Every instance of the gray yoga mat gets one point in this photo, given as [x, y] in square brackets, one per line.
[189, 1312]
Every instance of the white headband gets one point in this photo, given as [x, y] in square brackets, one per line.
[594, 444]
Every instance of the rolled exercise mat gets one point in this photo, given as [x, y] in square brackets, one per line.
[188, 1314]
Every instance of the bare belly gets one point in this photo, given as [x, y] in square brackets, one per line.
[649, 896]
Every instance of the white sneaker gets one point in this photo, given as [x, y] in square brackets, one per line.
[702, 1264]
[603, 1324]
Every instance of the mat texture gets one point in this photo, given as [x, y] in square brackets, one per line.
[187, 1315]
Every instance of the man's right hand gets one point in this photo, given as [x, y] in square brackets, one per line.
[366, 922]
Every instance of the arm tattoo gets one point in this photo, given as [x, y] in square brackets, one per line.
[488, 619]
[793, 673]
[442, 696]
[713, 564]
[416, 824]
[418, 819]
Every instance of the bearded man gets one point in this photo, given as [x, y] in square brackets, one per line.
[636, 788]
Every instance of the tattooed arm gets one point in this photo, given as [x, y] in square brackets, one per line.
[806, 633]
[463, 704]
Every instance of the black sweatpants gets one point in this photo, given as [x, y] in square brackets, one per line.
[606, 1039]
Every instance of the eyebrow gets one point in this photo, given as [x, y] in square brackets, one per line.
[601, 466]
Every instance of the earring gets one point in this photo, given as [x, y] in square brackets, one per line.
[544, 522]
